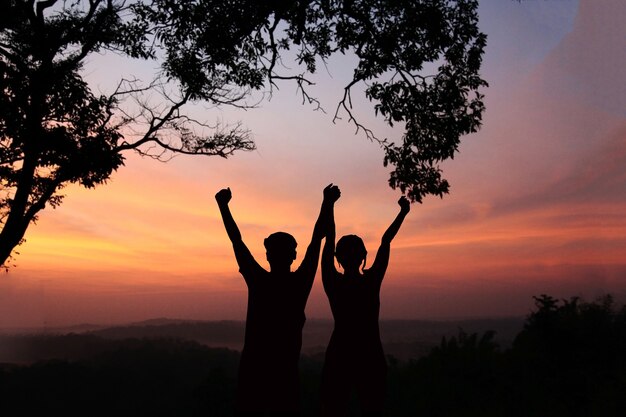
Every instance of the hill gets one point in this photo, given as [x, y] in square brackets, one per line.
[402, 339]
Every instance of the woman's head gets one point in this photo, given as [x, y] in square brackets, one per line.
[351, 252]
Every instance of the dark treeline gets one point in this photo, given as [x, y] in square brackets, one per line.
[148, 377]
[568, 360]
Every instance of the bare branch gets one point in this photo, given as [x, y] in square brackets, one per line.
[168, 131]
[41, 6]
[346, 104]
[274, 48]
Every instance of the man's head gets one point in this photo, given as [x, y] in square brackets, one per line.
[280, 249]
[351, 252]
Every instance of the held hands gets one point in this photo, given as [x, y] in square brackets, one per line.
[405, 205]
[331, 193]
[223, 196]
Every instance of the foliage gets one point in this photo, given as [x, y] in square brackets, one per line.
[569, 360]
[393, 41]
[54, 130]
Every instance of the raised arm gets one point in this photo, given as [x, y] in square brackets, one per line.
[311, 258]
[328, 254]
[382, 256]
[245, 260]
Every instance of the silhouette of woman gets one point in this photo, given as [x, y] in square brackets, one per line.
[354, 357]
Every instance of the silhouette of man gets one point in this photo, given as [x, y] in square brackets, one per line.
[354, 357]
[268, 380]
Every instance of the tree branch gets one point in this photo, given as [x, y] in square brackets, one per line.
[346, 104]
[41, 6]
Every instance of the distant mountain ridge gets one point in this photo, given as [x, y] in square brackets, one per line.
[211, 333]
[403, 339]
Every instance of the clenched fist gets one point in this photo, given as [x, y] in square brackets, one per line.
[223, 196]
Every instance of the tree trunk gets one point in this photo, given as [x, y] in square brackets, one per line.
[17, 220]
[8, 241]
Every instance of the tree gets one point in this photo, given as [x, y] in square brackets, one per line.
[570, 358]
[54, 130]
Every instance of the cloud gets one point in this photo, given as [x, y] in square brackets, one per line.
[557, 140]
[589, 63]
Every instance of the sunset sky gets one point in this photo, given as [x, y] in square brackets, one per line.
[537, 201]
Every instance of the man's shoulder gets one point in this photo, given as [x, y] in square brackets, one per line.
[253, 273]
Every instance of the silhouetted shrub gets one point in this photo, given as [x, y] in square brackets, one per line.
[570, 359]
[458, 378]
